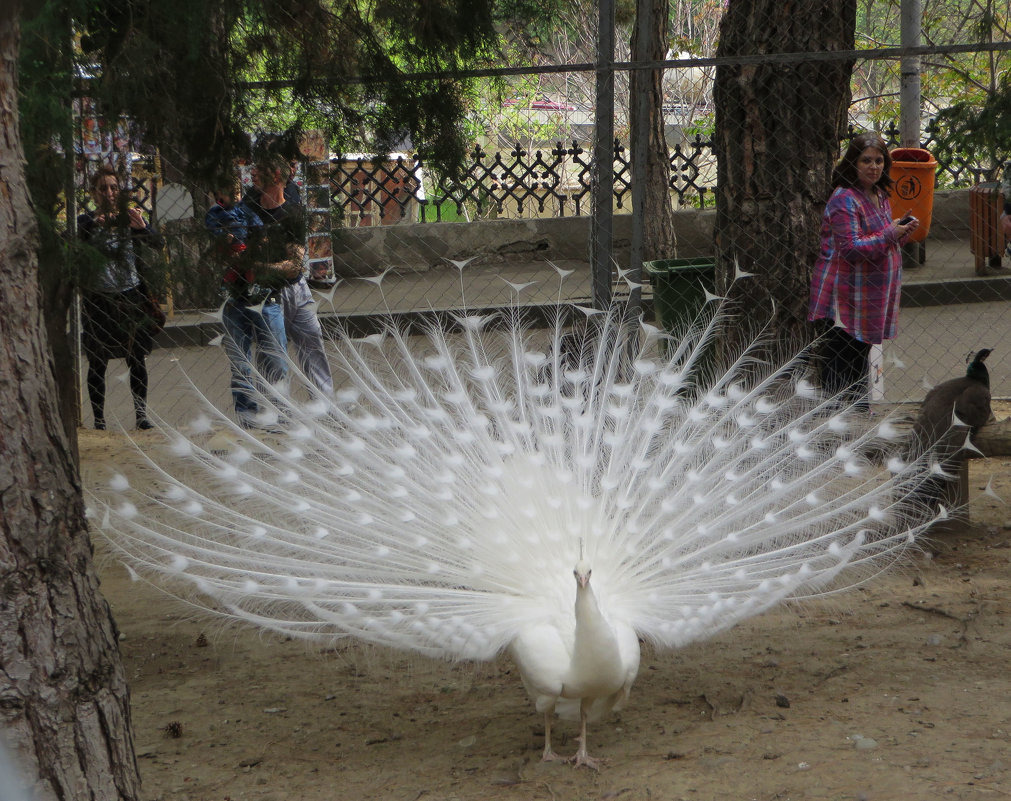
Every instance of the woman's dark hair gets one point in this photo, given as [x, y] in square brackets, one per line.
[103, 171]
[845, 172]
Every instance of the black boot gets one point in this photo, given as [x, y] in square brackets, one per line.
[140, 411]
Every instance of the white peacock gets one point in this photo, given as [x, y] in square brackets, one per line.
[443, 500]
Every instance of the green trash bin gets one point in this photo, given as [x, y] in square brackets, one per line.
[679, 295]
[679, 289]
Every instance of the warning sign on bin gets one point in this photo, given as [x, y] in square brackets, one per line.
[908, 187]
[912, 191]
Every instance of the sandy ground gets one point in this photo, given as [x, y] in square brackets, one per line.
[895, 691]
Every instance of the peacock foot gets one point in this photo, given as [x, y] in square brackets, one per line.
[551, 756]
[581, 758]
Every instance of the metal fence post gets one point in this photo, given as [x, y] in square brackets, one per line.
[602, 232]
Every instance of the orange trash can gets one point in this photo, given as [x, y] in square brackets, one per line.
[912, 192]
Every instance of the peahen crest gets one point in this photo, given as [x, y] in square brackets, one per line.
[439, 501]
[976, 366]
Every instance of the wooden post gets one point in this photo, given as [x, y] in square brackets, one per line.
[993, 439]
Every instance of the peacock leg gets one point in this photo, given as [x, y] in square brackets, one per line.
[582, 757]
[549, 755]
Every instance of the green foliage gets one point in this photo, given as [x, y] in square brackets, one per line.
[979, 127]
[943, 77]
[694, 25]
[539, 24]
[444, 209]
[703, 126]
[200, 75]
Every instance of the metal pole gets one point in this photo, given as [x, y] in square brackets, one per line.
[909, 89]
[644, 24]
[913, 253]
[602, 234]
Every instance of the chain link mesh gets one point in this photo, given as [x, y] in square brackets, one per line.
[387, 233]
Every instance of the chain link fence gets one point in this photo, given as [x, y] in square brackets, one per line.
[385, 233]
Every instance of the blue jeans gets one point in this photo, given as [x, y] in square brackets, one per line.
[244, 327]
[304, 331]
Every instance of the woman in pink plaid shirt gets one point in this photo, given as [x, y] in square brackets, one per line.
[858, 276]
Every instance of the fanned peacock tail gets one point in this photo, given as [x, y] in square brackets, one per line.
[440, 500]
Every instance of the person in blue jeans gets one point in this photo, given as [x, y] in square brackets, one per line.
[274, 198]
[252, 314]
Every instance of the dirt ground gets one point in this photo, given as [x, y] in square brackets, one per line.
[896, 691]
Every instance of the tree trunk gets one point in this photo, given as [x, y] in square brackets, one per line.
[778, 127]
[63, 696]
[658, 214]
[57, 289]
[48, 136]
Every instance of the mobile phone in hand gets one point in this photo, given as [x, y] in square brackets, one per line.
[906, 220]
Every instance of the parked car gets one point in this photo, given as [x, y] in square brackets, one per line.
[546, 104]
[542, 103]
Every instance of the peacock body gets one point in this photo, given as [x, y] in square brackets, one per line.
[443, 499]
[950, 413]
[964, 400]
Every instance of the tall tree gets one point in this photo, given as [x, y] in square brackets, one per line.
[649, 44]
[65, 699]
[778, 126]
[45, 80]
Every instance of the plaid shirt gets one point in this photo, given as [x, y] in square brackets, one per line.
[857, 279]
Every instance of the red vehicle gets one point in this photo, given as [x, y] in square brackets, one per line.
[543, 104]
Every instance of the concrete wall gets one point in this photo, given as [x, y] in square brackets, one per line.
[420, 247]
[950, 215]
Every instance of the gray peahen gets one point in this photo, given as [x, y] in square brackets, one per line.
[952, 411]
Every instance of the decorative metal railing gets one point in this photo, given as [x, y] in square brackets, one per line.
[357, 190]
[555, 181]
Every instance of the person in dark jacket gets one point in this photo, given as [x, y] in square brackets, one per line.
[116, 307]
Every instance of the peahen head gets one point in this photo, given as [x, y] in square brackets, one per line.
[582, 573]
[977, 370]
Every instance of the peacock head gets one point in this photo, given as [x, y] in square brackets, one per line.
[977, 369]
[582, 573]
